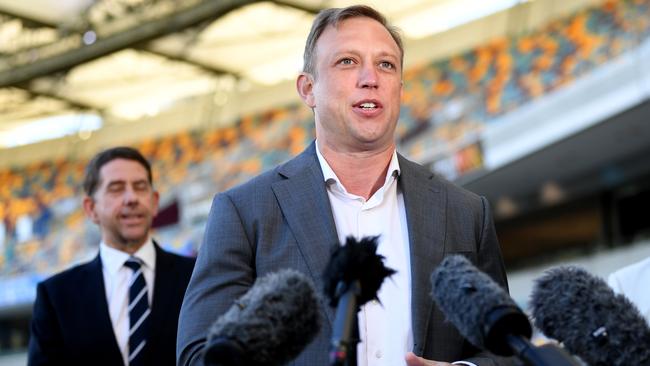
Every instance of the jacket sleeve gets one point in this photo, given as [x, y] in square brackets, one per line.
[223, 272]
[46, 339]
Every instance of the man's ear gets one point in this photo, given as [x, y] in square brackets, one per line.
[89, 209]
[305, 86]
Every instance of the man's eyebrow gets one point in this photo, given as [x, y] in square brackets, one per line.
[388, 54]
[344, 53]
[141, 181]
[355, 52]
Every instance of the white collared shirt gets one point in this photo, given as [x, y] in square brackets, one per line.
[384, 328]
[116, 281]
[630, 281]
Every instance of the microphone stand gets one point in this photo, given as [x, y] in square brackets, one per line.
[352, 277]
[345, 332]
[546, 355]
[508, 331]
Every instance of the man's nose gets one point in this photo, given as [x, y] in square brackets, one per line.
[368, 77]
[130, 197]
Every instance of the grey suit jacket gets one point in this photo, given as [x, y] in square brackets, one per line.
[283, 219]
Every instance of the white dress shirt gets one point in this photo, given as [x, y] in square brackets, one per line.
[632, 281]
[384, 328]
[116, 281]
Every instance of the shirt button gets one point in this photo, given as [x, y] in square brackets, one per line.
[374, 302]
[378, 354]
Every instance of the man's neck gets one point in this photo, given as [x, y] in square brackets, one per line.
[361, 173]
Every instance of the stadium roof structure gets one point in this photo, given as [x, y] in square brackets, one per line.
[75, 66]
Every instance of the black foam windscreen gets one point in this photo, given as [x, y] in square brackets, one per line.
[583, 312]
[269, 325]
[480, 309]
[355, 261]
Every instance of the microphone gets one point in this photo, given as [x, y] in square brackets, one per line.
[269, 325]
[487, 316]
[584, 313]
[352, 277]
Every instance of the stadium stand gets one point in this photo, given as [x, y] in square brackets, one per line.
[446, 105]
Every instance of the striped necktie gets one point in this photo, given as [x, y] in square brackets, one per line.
[138, 312]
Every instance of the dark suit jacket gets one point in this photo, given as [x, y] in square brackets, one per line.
[283, 219]
[71, 324]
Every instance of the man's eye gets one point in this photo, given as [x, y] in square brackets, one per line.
[115, 188]
[387, 65]
[140, 187]
[346, 61]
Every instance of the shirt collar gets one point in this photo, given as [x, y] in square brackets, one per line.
[113, 259]
[330, 177]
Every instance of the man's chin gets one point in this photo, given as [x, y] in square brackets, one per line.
[135, 238]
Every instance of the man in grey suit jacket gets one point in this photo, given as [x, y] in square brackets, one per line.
[350, 181]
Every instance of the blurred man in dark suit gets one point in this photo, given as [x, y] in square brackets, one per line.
[122, 307]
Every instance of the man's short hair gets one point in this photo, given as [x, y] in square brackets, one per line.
[92, 178]
[333, 17]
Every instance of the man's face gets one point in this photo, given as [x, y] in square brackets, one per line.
[123, 205]
[355, 92]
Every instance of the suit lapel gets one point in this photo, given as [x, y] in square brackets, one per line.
[304, 203]
[93, 302]
[303, 199]
[425, 203]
